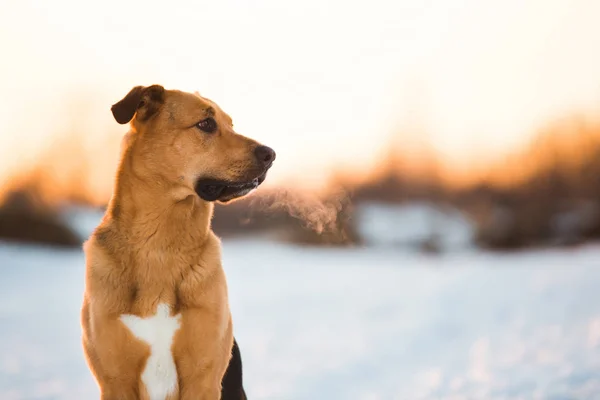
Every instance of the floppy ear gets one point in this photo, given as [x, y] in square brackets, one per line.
[145, 101]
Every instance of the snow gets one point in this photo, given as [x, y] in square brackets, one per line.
[365, 323]
[412, 225]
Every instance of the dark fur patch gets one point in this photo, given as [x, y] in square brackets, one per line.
[115, 211]
[133, 291]
[103, 237]
[233, 386]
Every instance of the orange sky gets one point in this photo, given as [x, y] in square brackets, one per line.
[323, 82]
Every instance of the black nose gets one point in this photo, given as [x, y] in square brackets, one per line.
[265, 154]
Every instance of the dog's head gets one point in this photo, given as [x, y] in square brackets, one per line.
[188, 139]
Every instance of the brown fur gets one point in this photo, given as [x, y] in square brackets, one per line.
[154, 245]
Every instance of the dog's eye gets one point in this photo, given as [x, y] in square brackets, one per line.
[208, 125]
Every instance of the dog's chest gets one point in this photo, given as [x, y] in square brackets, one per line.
[160, 374]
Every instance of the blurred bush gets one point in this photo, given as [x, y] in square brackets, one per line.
[24, 217]
[548, 194]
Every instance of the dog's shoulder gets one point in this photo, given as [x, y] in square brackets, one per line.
[108, 284]
[104, 254]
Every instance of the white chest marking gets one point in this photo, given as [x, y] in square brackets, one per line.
[159, 375]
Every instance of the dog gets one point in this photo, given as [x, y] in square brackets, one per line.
[155, 317]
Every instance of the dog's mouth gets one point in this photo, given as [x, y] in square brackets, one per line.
[218, 190]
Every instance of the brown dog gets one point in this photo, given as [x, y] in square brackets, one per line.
[155, 316]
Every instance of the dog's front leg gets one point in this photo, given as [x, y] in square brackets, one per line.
[119, 394]
[204, 382]
[202, 388]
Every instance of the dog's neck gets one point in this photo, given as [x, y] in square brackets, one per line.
[147, 205]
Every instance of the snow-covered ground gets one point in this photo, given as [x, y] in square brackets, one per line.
[372, 323]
